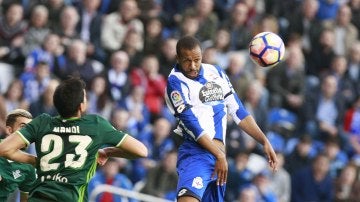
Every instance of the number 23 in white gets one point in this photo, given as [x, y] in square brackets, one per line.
[82, 142]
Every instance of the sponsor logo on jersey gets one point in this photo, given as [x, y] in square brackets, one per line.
[56, 177]
[211, 92]
[198, 183]
[176, 98]
[182, 192]
[16, 174]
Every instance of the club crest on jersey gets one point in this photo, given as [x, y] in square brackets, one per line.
[176, 98]
[211, 92]
[198, 183]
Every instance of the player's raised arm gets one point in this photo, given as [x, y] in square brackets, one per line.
[130, 148]
[249, 125]
[10, 149]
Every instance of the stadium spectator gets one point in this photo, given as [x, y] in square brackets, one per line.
[133, 46]
[280, 181]
[305, 24]
[118, 76]
[38, 29]
[159, 142]
[261, 185]
[345, 32]
[161, 180]
[240, 31]
[347, 185]
[316, 66]
[301, 156]
[153, 35]
[339, 67]
[313, 183]
[116, 25]
[239, 175]
[69, 18]
[353, 69]
[139, 113]
[121, 120]
[352, 128]
[286, 82]
[36, 82]
[337, 157]
[51, 51]
[239, 76]
[148, 76]
[167, 56]
[12, 30]
[110, 174]
[99, 100]
[78, 64]
[355, 10]
[324, 112]
[45, 102]
[188, 26]
[89, 28]
[14, 97]
[221, 44]
[203, 12]
[55, 8]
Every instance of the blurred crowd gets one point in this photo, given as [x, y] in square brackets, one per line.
[308, 105]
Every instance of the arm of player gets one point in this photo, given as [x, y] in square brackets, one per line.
[221, 165]
[10, 149]
[249, 125]
[130, 148]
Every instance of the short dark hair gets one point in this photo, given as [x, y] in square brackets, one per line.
[14, 114]
[68, 96]
[187, 43]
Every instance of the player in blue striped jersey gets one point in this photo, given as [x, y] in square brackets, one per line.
[201, 96]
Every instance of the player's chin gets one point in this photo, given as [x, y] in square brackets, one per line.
[192, 74]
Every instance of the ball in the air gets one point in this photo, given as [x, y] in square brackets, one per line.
[266, 49]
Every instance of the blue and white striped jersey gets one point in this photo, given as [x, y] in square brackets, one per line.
[201, 105]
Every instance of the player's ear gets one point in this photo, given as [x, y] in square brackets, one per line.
[9, 130]
[82, 107]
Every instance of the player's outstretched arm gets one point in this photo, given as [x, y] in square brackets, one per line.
[130, 148]
[249, 125]
[10, 149]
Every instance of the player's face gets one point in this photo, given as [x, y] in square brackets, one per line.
[19, 123]
[190, 62]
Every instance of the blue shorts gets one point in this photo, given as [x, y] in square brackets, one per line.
[195, 172]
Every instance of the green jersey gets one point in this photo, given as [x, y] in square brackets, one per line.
[66, 154]
[15, 175]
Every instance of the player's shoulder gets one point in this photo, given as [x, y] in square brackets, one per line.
[43, 118]
[93, 118]
[213, 68]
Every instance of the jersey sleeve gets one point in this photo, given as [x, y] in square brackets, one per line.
[177, 99]
[111, 136]
[236, 108]
[31, 130]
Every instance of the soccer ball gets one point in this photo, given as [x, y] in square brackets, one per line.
[266, 49]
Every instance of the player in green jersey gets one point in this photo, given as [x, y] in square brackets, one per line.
[67, 146]
[13, 174]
